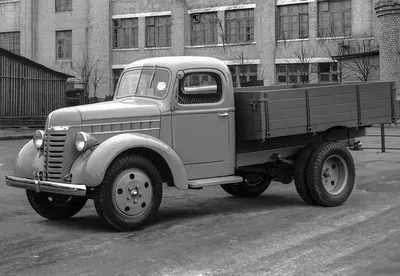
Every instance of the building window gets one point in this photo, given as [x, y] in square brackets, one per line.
[63, 5]
[292, 73]
[328, 72]
[158, 31]
[10, 41]
[293, 21]
[64, 44]
[204, 28]
[116, 74]
[334, 18]
[243, 73]
[239, 26]
[125, 33]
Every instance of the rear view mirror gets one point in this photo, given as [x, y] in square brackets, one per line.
[180, 75]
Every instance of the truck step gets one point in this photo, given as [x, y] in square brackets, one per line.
[198, 183]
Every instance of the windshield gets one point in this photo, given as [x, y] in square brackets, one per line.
[144, 82]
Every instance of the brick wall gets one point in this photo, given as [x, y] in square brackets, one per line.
[388, 12]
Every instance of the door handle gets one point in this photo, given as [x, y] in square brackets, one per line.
[223, 114]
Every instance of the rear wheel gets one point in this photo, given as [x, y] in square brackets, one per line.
[130, 194]
[300, 172]
[55, 206]
[331, 174]
[253, 185]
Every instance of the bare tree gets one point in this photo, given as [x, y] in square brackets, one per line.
[355, 57]
[97, 79]
[88, 72]
[302, 71]
[360, 62]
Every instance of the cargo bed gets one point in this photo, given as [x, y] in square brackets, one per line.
[265, 112]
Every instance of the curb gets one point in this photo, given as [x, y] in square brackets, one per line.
[19, 137]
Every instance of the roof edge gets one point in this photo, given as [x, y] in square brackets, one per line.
[34, 63]
[356, 55]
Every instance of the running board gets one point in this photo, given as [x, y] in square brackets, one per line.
[199, 183]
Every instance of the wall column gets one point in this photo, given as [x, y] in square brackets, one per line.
[388, 13]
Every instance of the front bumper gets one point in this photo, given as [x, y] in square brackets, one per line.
[45, 186]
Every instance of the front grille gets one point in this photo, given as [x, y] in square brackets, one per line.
[54, 150]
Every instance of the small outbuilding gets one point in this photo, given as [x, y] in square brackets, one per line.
[29, 91]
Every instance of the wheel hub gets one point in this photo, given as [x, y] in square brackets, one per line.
[132, 193]
[335, 174]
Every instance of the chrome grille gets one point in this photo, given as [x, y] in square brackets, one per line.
[54, 150]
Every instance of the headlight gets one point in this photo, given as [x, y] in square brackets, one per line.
[38, 139]
[84, 141]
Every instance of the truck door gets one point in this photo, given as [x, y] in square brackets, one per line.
[201, 123]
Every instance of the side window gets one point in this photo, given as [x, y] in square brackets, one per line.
[200, 88]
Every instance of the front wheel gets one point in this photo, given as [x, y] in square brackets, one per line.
[55, 206]
[254, 184]
[130, 194]
[331, 174]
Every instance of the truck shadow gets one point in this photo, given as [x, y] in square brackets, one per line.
[184, 211]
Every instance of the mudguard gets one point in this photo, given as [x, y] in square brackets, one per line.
[28, 161]
[90, 167]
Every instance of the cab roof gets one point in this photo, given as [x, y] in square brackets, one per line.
[176, 63]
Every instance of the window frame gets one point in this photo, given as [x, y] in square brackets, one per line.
[166, 31]
[326, 9]
[11, 41]
[116, 74]
[288, 74]
[237, 74]
[248, 25]
[126, 36]
[168, 87]
[211, 27]
[298, 15]
[65, 51]
[331, 72]
[219, 82]
[65, 4]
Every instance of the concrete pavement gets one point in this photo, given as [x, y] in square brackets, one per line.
[16, 133]
[208, 232]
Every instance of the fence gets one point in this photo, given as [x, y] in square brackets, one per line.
[383, 137]
[29, 91]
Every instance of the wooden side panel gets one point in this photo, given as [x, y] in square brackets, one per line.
[263, 113]
[376, 103]
[333, 106]
[287, 112]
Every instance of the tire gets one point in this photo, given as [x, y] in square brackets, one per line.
[130, 194]
[55, 206]
[255, 185]
[331, 174]
[300, 173]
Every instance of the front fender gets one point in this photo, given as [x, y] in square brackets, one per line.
[28, 161]
[90, 167]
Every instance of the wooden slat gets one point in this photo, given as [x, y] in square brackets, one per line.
[28, 91]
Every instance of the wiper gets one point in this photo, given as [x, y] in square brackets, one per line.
[152, 76]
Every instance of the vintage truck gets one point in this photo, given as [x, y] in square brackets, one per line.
[178, 121]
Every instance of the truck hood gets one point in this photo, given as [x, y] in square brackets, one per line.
[116, 111]
[128, 110]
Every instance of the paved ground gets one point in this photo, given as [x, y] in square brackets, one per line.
[16, 133]
[207, 232]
